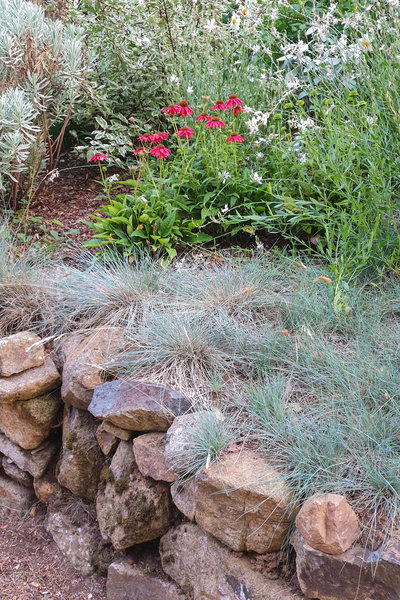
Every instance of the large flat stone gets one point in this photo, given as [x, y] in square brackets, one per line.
[82, 371]
[33, 461]
[356, 574]
[206, 569]
[15, 496]
[29, 422]
[137, 406]
[127, 581]
[131, 508]
[30, 384]
[20, 352]
[82, 458]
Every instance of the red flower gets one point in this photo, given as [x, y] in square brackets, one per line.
[98, 157]
[215, 122]
[219, 105]
[141, 150]
[234, 137]
[185, 132]
[183, 109]
[170, 110]
[233, 101]
[145, 137]
[238, 109]
[158, 136]
[203, 117]
[160, 151]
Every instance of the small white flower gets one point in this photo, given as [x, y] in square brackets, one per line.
[224, 176]
[274, 14]
[256, 177]
[112, 178]
[225, 209]
[252, 125]
[210, 25]
[370, 121]
[174, 79]
[190, 89]
[302, 157]
[235, 22]
[366, 44]
[260, 155]
[259, 245]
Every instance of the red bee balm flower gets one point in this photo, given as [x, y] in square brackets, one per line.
[141, 150]
[183, 109]
[203, 117]
[160, 151]
[158, 136]
[234, 138]
[98, 157]
[238, 109]
[233, 101]
[185, 132]
[219, 105]
[215, 122]
[170, 110]
[145, 137]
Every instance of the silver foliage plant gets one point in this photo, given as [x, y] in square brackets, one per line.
[42, 67]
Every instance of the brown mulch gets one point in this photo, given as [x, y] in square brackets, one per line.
[70, 198]
[32, 567]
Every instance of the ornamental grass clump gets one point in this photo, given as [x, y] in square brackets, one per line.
[106, 292]
[193, 355]
[27, 301]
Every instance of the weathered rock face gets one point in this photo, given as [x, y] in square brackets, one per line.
[137, 406]
[82, 459]
[205, 569]
[353, 574]
[131, 508]
[33, 461]
[242, 501]
[121, 434]
[184, 497]
[17, 353]
[106, 440]
[179, 440]
[29, 422]
[15, 496]
[82, 368]
[76, 533]
[30, 384]
[328, 523]
[149, 451]
[16, 474]
[127, 581]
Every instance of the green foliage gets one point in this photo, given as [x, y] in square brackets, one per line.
[42, 68]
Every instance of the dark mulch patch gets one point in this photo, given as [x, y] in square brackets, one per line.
[32, 567]
[70, 198]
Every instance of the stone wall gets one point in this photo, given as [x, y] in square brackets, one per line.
[104, 458]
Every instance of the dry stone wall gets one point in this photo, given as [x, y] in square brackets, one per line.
[105, 459]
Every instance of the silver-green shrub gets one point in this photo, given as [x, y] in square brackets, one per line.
[42, 67]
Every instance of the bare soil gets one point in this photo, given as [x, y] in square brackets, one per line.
[32, 567]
